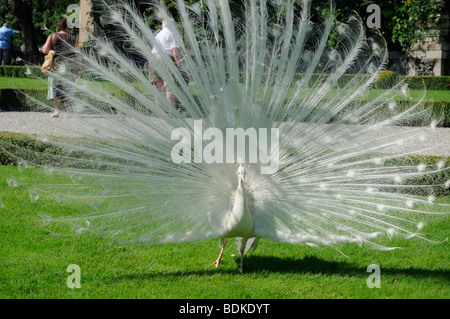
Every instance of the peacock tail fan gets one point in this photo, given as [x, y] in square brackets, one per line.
[263, 90]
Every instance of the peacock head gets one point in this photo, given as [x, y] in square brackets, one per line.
[241, 172]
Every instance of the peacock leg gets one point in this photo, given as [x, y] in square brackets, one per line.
[242, 251]
[242, 263]
[219, 259]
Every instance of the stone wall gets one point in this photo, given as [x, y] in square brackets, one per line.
[431, 54]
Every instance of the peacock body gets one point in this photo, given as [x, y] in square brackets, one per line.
[150, 173]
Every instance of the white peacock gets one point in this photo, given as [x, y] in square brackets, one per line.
[260, 71]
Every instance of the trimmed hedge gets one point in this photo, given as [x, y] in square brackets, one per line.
[415, 82]
[41, 153]
[15, 100]
[431, 82]
[14, 71]
[441, 109]
[385, 80]
[29, 147]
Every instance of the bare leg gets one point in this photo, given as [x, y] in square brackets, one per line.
[163, 88]
[171, 98]
[69, 105]
[160, 86]
[57, 104]
[219, 259]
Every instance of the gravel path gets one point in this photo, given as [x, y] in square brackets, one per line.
[432, 142]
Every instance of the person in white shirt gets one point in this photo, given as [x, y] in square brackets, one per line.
[171, 47]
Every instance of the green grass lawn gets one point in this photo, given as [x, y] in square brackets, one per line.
[22, 83]
[435, 95]
[34, 262]
[28, 83]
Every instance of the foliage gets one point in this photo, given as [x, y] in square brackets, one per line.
[415, 17]
[402, 20]
[437, 89]
[152, 19]
[386, 79]
[16, 71]
[415, 82]
[46, 14]
[12, 142]
[342, 9]
[430, 82]
[29, 147]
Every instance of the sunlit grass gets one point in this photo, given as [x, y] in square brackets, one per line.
[34, 262]
[22, 83]
[29, 83]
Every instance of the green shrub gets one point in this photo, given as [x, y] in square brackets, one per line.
[386, 80]
[440, 111]
[317, 79]
[19, 100]
[17, 145]
[439, 178]
[9, 101]
[431, 82]
[415, 82]
[125, 97]
[14, 71]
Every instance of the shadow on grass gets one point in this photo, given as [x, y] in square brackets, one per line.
[307, 265]
[314, 265]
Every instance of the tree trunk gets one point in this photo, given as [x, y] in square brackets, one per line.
[24, 12]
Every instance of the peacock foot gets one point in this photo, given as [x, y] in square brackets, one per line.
[217, 262]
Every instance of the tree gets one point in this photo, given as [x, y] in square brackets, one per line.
[23, 11]
[36, 19]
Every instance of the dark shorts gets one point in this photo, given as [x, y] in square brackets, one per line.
[153, 76]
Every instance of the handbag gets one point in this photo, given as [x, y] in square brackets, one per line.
[49, 62]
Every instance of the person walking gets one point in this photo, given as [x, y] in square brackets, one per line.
[63, 43]
[167, 41]
[5, 35]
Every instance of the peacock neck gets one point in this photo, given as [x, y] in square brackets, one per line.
[240, 199]
[240, 222]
